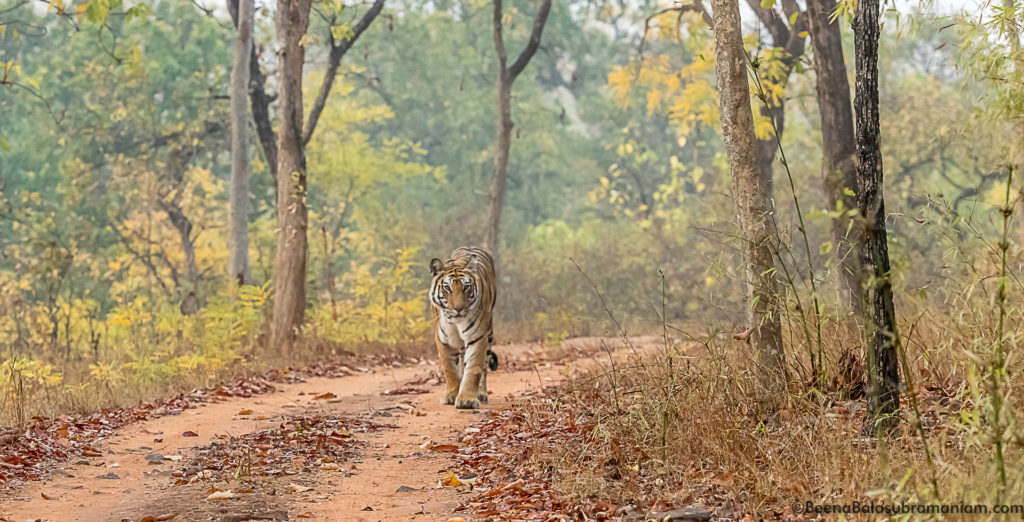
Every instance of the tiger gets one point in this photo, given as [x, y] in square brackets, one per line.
[463, 291]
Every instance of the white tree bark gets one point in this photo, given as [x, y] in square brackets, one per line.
[752, 208]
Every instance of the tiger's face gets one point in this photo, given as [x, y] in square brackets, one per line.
[455, 289]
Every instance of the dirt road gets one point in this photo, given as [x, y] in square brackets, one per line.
[391, 474]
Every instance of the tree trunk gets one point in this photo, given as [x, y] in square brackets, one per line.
[290, 260]
[497, 194]
[767, 148]
[751, 204]
[238, 225]
[787, 32]
[882, 337]
[292, 216]
[327, 268]
[839, 153]
[183, 225]
[506, 77]
[259, 99]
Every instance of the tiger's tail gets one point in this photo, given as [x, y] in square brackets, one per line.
[492, 360]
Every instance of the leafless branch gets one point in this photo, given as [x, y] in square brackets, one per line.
[338, 50]
[696, 6]
[534, 42]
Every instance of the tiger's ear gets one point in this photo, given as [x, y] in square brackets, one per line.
[435, 266]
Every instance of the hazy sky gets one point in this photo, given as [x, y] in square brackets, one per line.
[943, 6]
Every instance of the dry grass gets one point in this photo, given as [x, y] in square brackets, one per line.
[678, 425]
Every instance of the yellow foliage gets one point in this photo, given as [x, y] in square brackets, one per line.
[685, 89]
[387, 303]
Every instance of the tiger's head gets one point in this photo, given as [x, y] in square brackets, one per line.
[455, 287]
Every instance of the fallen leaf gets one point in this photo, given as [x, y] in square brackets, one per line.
[245, 412]
[723, 479]
[450, 479]
[324, 396]
[744, 336]
[220, 495]
[190, 434]
[296, 488]
[445, 448]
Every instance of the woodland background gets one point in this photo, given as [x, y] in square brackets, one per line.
[115, 166]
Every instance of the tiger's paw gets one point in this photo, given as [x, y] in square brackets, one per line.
[482, 397]
[448, 398]
[467, 404]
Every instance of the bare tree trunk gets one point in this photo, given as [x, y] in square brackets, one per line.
[292, 218]
[183, 225]
[259, 99]
[751, 204]
[767, 148]
[292, 137]
[238, 226]
[327, 267]
[497, 193]
[839, 153]
[882, 337]
[787, 32]
[506, 77]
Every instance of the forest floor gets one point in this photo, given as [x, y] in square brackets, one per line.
[364, 444]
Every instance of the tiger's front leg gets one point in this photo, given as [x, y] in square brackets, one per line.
[473, 389]
[452, 374]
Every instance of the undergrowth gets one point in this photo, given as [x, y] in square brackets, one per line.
[678, 423]
[71, 357]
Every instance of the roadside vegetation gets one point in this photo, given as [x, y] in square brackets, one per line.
[621, 214]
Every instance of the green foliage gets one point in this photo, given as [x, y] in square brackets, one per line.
[114, 155]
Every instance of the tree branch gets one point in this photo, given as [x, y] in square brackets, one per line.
[775, 25]
[696, 6]
[144, 259]
[534, 42]
[338, 50]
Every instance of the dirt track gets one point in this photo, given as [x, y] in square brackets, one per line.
[365, 488]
